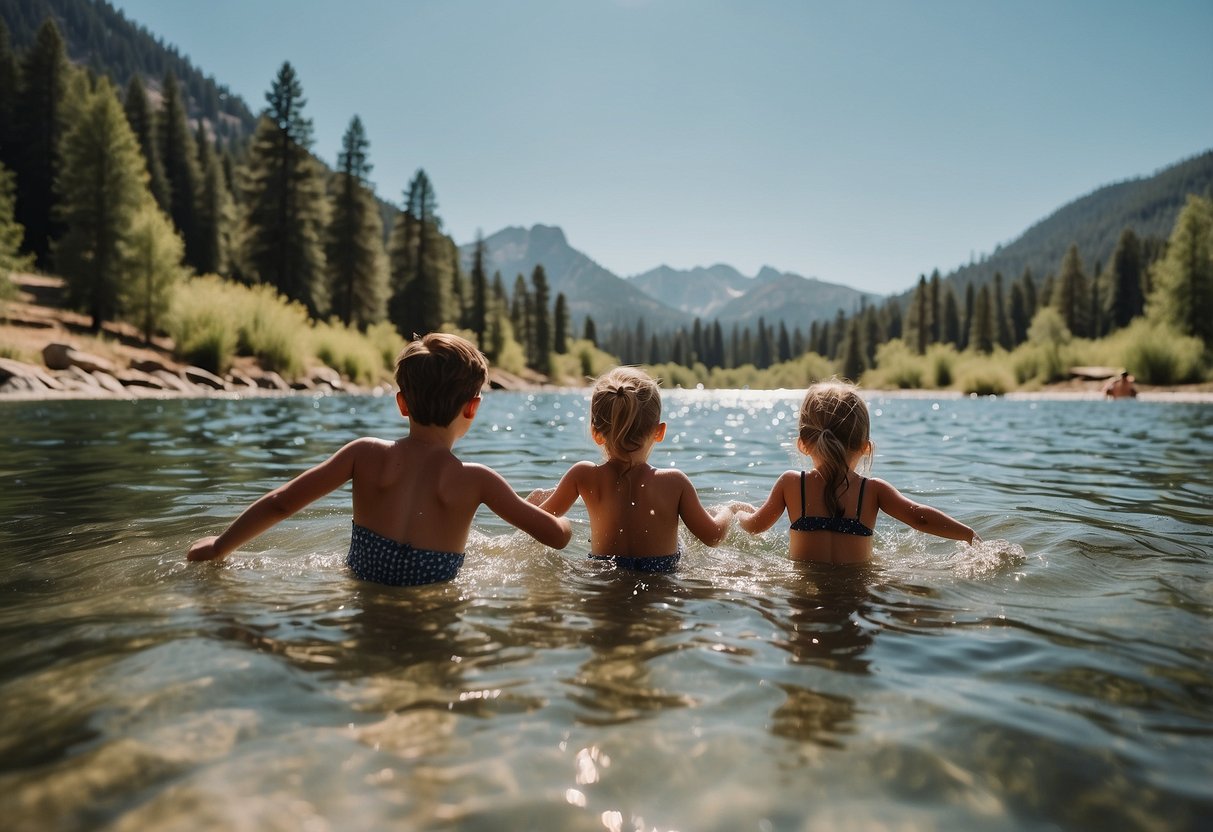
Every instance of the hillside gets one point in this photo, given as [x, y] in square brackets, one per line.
[100, 37]
[1148, 205]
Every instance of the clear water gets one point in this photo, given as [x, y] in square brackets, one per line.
[1058, 677]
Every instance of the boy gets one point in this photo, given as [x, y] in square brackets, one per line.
[413, 499]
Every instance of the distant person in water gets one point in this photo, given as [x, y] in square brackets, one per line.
[1120, 387]
[832, 509]
[634, 508]
[414, 500]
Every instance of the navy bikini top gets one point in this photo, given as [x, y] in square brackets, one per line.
[839, 524]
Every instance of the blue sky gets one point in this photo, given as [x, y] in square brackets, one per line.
[862, 143]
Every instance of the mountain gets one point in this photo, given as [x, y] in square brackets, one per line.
[700, 291]
[1149, 205]
[795, 300]
[721, 292]
[100, 37]
[589, 288]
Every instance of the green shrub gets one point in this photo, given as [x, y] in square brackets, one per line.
[348, 352]
[897, 366]
[985, 375]
[201, 325]
[387, 341]
[271, 328]
[941, 359]
[1156, 354]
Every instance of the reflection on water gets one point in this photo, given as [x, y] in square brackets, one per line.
[1057, 676]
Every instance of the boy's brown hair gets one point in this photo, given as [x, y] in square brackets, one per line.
[438, 374]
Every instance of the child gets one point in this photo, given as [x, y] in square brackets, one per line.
[833, 509]
[413, 499]
[633, 507]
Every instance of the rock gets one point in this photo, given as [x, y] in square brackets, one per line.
[74, 373]
[59, 356]
[172, 381]
[241, 379]
[23, 384]
[150, 365]
[325, 376]
[10, 369]
[303, 384]
[138, 378]
[107, 382]
[204, 378]
[269, 380]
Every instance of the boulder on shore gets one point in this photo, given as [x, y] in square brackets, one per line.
[59, 356]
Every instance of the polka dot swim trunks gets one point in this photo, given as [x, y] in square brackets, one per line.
[374, 557]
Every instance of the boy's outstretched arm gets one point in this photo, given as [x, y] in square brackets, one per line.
[759, 521]
[922, 517]
[278, 504]
[545, 527]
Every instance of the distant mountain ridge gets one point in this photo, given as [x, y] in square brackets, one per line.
[721, 292]
[1149, 205]
[589, 288]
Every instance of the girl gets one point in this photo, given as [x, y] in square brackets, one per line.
[633, 507]
[832, 509]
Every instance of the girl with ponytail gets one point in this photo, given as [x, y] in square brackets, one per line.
[634, 508]
[832, 508]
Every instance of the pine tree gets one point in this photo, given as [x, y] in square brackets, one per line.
[918, 323]
[520, 316]
[1030, 300]
[589, 332]
[838, 334]
[151, 258]
[283, 197]
[478, 319]
[1124, 299]
[142, 122]
[785, 343]
[1019, 314]
[39, 127]
[180, 160]
[935, 297]
[420, 272]
[966, 326]
[11, 233]
[873, 335]
[1071, 295]
[498, 320]
[718, 355]
[890, 319]
[354, 248]
[541, 358]
[560, 325]
[10, 89]
[852, 354]
[101, 187]
[216, 213]
[766, 350]
[981, 338]
[1002, 323]
[950, 331]
[1183, 279]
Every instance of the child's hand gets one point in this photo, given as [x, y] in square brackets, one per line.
[538, 496]
[203, 549]
[742, 508]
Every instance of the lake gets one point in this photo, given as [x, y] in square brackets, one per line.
[1059, 676]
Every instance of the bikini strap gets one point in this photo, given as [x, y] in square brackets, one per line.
[863, 481]
[802, 493]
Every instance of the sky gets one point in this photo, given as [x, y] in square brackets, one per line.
[862, 143]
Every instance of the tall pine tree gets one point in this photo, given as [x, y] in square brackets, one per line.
[356, 259]
[139, 114]
[216, 211]
[151, 254]
[419, 267]
[39, 127]
[1071, 294]
[180, 160]
[1125, 299]
[101, 187]
[479, 315]
[283, 197]
[1183, 279]
[541, 357]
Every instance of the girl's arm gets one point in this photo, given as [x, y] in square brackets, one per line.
[560, 499]
[708, 527]
[279, 504]
[922, 517]
[758, 521]
[496, 493]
